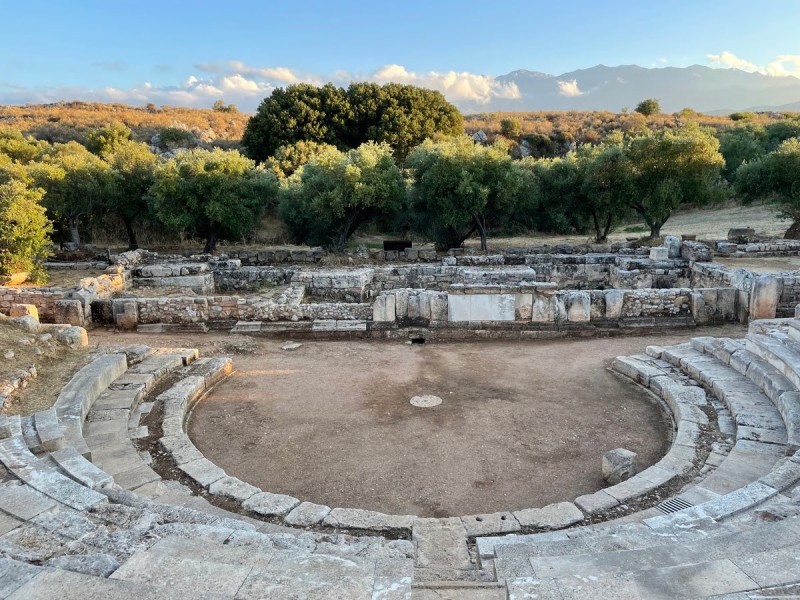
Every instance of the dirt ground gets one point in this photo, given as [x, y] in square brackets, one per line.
[66, 278]
[521, 424]
[55, 367]
[771, 264]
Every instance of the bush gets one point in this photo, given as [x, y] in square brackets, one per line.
[511, 128]
[24, 230]
[649, 107]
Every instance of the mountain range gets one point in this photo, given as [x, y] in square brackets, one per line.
[716, 91]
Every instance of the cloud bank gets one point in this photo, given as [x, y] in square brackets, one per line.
[785, 65]
[247, 85]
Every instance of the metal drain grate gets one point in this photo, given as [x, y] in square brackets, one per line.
[673, 505]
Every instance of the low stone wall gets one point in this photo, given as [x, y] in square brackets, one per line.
[61, 305]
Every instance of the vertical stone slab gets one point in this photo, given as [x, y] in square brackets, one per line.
[70, 312]
[401, 304]
[765, 296]
[580, 306]
[542, 308]
[503, 307]
[438, 306]
[458, 307]
[383, 309]
[523, 304]
[700, 314]
[673, 244]
[614, 299]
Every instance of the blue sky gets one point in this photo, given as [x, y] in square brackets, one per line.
[147, 51]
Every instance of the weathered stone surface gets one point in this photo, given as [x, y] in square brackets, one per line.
[659, 253]
[70, 312]
[441, 542]
[231, 487]
[356, 518]
[619, 465]
[306, 514]
[596, 503]
[765, 296]
[23, 502]
[553, 516]
[23, 310]
[203, 471]
[74, 337]
[99, 565]
[384, 308]
[673, 244]
[499, 522]
[267, 504]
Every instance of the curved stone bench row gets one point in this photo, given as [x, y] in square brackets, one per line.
[115, 417]
[179, 400]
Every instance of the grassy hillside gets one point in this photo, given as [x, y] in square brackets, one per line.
[67, 121]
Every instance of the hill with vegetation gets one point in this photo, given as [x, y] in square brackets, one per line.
[73, 121]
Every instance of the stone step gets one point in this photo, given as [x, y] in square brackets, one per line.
[16, 457]
[765, 537]
[48, 430]
[76, 467]
[10, 426]
[771, 381]
[29, 434]
[42, 583]
[251, 565]
[779, 351]
[793, 329]
[457, 590]
[77, 397]
[704, 578]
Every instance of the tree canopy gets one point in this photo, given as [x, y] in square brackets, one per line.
[775, 177]
[461, 187]
[400, 115]
[338, 192]
[649, 107]
[214, 194]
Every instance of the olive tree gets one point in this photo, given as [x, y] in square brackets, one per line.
[460, 187]
[338, 192]
[673, 167]
[607, 187]
[24, 230]
[776, 178]
[215, 194]
[75, 182]
[649, 107]
[130, 179]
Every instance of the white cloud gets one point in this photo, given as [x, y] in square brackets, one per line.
[785, 65]
[569, 88]
[246, 86]
[457, 87]
[663, 60]
[730, 60]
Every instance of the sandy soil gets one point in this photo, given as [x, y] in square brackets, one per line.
[772, 264]
[521, 424]
[66, 278]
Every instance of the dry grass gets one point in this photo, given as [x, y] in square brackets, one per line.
[67, 121]
[593, 126]
[55, 367]
[63, 278]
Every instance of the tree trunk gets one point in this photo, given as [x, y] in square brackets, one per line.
[211, 240]
[480, 223]
[655, 230]
[74, 234]
[350, 226]
[132, 244]
[609, 222]
[598, 236]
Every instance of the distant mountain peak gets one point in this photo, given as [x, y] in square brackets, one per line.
[524, 74]
[601, 87]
